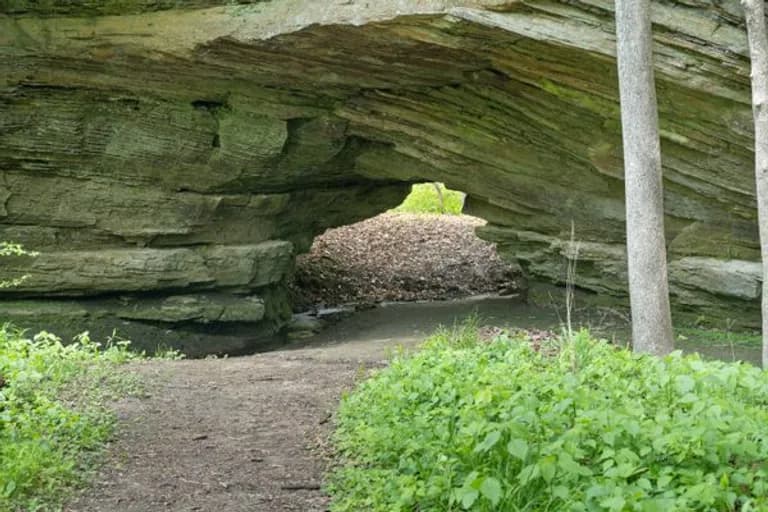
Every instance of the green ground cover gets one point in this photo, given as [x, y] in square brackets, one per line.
[718, 337]
[424, 198]
[53, 415]
[512, 425]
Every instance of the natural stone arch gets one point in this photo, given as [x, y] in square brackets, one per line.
[168, 164]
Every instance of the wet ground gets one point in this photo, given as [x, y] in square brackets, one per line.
[380, 330]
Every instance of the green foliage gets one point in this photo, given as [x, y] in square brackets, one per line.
[513, 425]
[12, 249]
[52, 418]
[718, 337]
[425, 199]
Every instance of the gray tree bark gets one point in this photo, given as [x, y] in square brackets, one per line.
[440, 196]
[646, 248]
[754, 11]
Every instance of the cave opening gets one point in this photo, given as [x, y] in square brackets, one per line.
[408, 270]
[425, 249]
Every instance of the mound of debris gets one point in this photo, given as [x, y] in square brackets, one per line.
[401, 257]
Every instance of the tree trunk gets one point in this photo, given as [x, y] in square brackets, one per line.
[646, 249]
[440, 197]
[758, 53]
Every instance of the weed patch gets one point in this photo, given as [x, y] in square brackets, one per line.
[53, 418]
[510, 425]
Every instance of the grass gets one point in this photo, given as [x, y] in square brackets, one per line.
[512, 425]
[718, 337]
[425, 199]
[53, 415]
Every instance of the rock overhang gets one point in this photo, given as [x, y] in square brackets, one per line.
[207, 129]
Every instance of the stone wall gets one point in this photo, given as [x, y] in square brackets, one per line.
[169, 163]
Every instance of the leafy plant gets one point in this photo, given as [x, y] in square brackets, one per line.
[13, 249]
[432, 198]
[513, 425]
[53, 420]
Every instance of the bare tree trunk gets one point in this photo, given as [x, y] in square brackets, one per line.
[758, 53]
[646, 247]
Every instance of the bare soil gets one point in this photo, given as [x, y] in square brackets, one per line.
[401, 257]
[242, 434]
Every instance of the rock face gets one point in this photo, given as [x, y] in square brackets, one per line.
[169, 163]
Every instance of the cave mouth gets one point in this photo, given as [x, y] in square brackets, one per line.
[425, 249]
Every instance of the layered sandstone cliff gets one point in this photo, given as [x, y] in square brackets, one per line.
[169, 159]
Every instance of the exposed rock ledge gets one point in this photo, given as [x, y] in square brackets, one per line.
[167, 162]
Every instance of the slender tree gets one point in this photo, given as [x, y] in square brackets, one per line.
[646, 248]
[440, 197]
[754, 11]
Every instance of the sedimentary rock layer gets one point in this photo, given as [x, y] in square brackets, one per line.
[183, 156]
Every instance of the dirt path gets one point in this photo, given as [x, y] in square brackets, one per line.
[244, 434]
